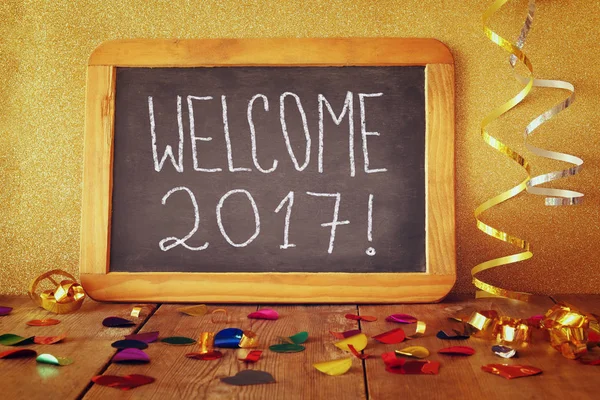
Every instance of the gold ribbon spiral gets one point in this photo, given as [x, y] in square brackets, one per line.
[67, 296]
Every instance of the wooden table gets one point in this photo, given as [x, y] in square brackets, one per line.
[178, 377]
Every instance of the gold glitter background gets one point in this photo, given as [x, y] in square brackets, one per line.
[44, 46]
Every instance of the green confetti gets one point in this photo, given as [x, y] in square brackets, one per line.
[299, 338]
[53, 360]
[179, 341]
[286, 348]
[15, 340]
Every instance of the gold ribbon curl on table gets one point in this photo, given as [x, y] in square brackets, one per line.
[554, 197]
[489, 325]
[67, 296]
[486, 289]
[568, 328]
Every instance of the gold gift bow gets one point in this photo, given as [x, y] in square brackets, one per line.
[487, 324]
[485, 289]
[67, 297]
[554, 197]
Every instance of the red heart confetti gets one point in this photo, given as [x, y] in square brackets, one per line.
[265, 313]
[5, 310]
[123, 382]
[18, 353]
[43, 322]
[391, 337]
[367, 318]
[346, 334]
[252, 356]
[511, 371]
[396, 365]
[147, 337]
[131, 356]
[458, 351]
[117, 322]
[208, 356]
[401, 318]
[49, 339]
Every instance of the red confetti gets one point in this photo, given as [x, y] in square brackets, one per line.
[357, 354]
[18, 353]
[396, 365]
[367, 318]
[589, 360]
[211, 355]
[391, 337]
[346, 334]
[43, 322]
[458, 351]
[511, 371]
[265, 313]
[123, 382]
[252, 356]
[593, 336]
[401, 318]
[49, 339]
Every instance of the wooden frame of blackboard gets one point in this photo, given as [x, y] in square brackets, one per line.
[290, 287]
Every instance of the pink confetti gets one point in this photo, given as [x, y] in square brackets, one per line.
[265, 313]
[401, 318]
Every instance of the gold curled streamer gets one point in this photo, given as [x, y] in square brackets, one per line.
[67, 296]
[554, 197]
[485, 289]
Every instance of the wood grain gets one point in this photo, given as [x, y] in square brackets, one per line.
[102, 284]
[270, 51]
[462, 376]
[87, 344]
[179, 377]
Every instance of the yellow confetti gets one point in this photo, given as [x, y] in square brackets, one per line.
[359, 342]
[413, 351]
[334, 367]
[194, 311]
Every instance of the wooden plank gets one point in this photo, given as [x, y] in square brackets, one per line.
[87, 344]
[179, 377]
[270, 51]
[97, 170]
[439, 173]
[462, 376]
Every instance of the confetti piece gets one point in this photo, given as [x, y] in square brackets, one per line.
[229, 338]
[286, 348]
[117, 322]
[299, 337]
[5, 310]
[367, 318]
[131, 356]
[249, 377]
[357, 354]
[43, 322]
[419, 331]
[265, 313]
[334, 367]
[194, 311]
[504, 351]
[148, 337]
[587, 360]
[49, 339]
[249, 340]
[221, 319]
[457, 351]
[53, 360]
[451, 335]
[401, 318]
[208, 356]
[593, 337]
[511, 371]
[251, 356]
[123, 382]
[178, 341]
[129, 344]
[9, 339]
[391, 337]
[18, 353]
[358, 341]
[396, 365]
[136, 311]
[346, 334]
[413, 351]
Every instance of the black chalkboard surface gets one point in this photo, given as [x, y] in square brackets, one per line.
[378, 163]
[290, 169]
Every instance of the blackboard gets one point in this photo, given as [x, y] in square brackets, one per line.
[246, 170]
